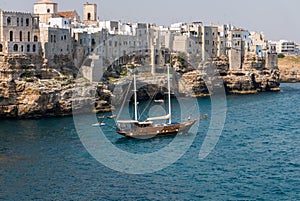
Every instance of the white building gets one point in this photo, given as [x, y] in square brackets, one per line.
[59, 22]
[286, 47]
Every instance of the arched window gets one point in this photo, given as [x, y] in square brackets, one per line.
[22, 48]
[16, 47]
[28, 36]
[33, 48]
[11, 36]
[21, 21]
[48, 10]
[1, 48]
[89, 16]
[35, 39]
[8, 21]
[21, 36]
[34, 21]
[17, 21]
[27, 22]
[28, 48]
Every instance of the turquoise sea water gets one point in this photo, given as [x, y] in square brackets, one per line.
[256, 158]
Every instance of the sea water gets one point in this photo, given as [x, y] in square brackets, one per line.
[256, 158]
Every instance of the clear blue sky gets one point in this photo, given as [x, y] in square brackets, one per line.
[277, 19]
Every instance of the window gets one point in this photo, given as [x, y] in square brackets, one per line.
[16, 47]
[48, 10]
[21, 21]
[11, 36]
[27, 22]
[34, 48]
[89, 16]
[18, 22]
[51, 40]
[21, 36]
[28, 48]
[35, 39]
[22, 48]
[8, 21]
[28, 36]
[65, 37]
[1, 48]
[35, 21]
[54, 38]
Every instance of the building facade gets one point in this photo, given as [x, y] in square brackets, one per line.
[19, 33]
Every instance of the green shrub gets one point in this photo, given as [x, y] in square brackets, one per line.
[281, 56]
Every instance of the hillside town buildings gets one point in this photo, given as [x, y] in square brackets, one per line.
[52, 34]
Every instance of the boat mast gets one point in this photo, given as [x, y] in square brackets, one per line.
[169, 95]
[135, 98]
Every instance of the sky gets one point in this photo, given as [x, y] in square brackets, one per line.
[277, 19]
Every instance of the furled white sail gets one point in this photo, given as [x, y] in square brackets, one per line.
[127, 122]
[159, 118]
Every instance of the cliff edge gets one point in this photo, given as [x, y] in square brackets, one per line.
[289, 67]
[29, 89]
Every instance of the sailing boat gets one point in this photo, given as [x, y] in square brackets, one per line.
[148, 129]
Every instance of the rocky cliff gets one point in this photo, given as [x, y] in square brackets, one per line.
[289, 67]
[235, 82]
[252, 78]
[34, 90]
[29, 87]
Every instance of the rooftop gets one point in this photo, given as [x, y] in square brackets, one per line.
[66, 14]
[45, 2]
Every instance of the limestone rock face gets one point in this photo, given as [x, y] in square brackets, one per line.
[212, 75]
[290, 75]
[32, 90]
[235, 82]
[21, 99]
[289, 67]
[252, 81]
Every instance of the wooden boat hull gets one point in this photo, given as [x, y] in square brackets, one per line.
[160, 130]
